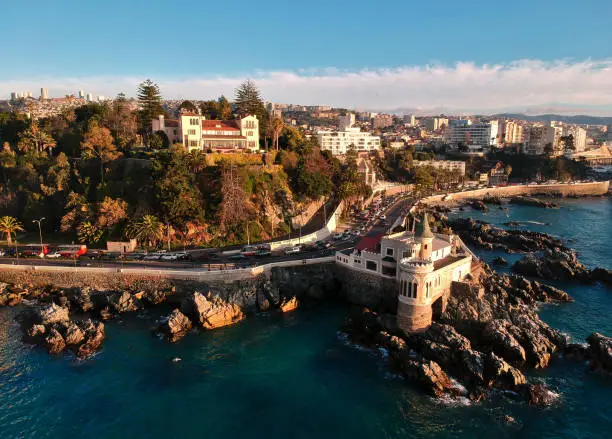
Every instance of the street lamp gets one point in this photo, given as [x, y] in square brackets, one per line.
[38, 221]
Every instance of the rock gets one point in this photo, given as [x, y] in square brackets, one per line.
[577, 352]
[106, 313]
[500, 261]
[51, 313]
[503, 343]
[288, 305]
[155, 297]
[123, 302]
[211, 312]
[73, 335]
[36, 331]
[427, 374]
[539, 394]
[176, 326]
[530, 201]
[479, 205]
[501, 375]
[94, 336]
[81, 299]
[600, 347]
[263, 304]
[447, 335]
[602, 275]
[472, 366]
[54, 342]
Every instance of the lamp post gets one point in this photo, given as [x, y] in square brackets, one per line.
[38, 221]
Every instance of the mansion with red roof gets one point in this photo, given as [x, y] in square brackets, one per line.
[194, 132]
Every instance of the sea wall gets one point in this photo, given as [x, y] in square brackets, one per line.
[596, 188]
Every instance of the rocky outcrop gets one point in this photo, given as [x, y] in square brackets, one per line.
[600, 348]
[500, 261]
[289, 304]
[52, 313]
[210, 311]
[479, 205]
[553, 265]
[83, 337]
[124, 302]
[176, 326]
[54, 342]
[539, 394]
[80, 298]
[94, 336]
[531, 201]
[602, 275]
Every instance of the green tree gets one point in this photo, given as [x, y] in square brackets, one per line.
[147, 229]
[98, 142]
[188, 106]
[8, 226]
[89, 233]
[34, 139]
[150, 101]
[210, 110]
[248, 102]
[225, 109]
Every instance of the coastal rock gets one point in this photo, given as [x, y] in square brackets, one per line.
[554, 265]
[501, 375]
[81, 299]
[479, 205]
[447, 335]
[500, 261]
[51, 313]
[176, 326]
[94, 336]
[540, 395]
[155, 297]
[602, 275]
[36, 331]
[73, 334]
[211, 312]
[54, 342]
[427, 374]
[496, 333]
[601, 351]
[531, 201]
[473, 366]
[577, 352]
[123, 302]
[289, 304]
[106, 313]
[263, 303]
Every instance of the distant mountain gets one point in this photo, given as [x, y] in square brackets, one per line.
[579, 119]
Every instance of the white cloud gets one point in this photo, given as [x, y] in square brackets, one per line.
[526, 85]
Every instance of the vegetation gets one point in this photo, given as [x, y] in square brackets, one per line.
[8, 226]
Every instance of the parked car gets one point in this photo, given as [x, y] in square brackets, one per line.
[152, 257]
[293, 250]
[383, 217]
[169, 257]
[237, 257]
[53, 255]
[1, 252]
[262, 253]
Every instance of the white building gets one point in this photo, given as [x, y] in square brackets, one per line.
[447, 165]
[434, 123]
[513, 134]
[193, 131]
[44, 94]
[473, 136]
[410, 119]
[339, 142]
[347, 121]
[580, 137]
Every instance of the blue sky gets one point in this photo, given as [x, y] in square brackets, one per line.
[110, 45]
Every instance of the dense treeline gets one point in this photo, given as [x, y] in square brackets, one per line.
[88, 174]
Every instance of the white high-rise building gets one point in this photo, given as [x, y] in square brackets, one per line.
[339, 142]
[513, 133]
[89, 97]
[44, 94]
[347, 121]
[410, 119]
[473, 136]
[82, 94]
[579, 134]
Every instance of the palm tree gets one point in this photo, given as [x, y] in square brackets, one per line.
[10, 225]
[146, 229]
[196, 161]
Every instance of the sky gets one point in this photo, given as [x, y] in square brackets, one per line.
[535, 56]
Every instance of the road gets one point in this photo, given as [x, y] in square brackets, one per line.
[220, 261]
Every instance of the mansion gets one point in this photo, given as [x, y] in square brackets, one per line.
[194, 132]
[423, 265]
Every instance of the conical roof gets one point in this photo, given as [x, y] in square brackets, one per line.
[422, 229]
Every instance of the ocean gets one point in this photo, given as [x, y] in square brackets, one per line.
[296, 376]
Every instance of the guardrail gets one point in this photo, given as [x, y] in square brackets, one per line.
[185, 274]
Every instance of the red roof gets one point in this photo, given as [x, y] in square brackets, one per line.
[219, 125]
[221, 136]
[369, 243]
[189, 114]
[171, 123]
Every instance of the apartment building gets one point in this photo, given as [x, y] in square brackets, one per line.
[434, 123]
[513, 134]
[446, 165]
[382, 121]
[580, 137]
[473, 136]
[339, 142]
[193, 131]
[347, 121]
[537, 137]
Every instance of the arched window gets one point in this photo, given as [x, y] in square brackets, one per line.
[414, 289]
[410, 289]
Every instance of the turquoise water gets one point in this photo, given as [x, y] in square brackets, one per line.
[294, 376]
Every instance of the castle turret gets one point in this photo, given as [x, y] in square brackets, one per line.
[424, 234]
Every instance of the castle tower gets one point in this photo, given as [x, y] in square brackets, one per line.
[425, 236]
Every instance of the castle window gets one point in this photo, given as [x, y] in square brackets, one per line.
[389, 252]
[371, 265]
[410, 289]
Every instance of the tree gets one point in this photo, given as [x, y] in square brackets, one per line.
[150, 101]
[122, 122]
[248, 102]
[188, 106]
[8, 226]
[88, 233]
[34, 139]
[210, 109]
[78, 211]
[225, 109]
[159, 140]
[275, 128]
[235, 204]
[147, 229]
[549, 149]
[98, 142]
[110, 212]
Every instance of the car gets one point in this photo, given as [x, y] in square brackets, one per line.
[53, 255]
[262, 253]
[237, 257]
[356, 233]
[293, 250]
[337, 236]
[2, 253]
[169, 257]
[383, 217]
[152, 257]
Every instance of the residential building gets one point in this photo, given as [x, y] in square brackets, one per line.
[193, 131]
[382, 121]
[367, 171]
[580, 137]
[410, 119]
[44, 94]
[513, 134]
[339, 142]
[473, 136]
[396, 144]
[537, 137]
[347, 121]
[446, 165]
[434, 123]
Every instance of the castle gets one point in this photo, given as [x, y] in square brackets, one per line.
[424, 265]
